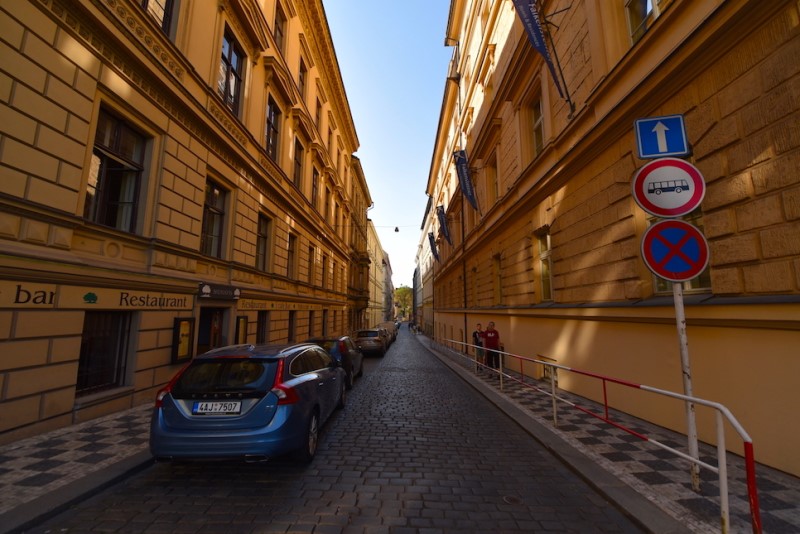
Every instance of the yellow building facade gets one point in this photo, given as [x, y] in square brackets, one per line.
[175, 175]
[553, 254]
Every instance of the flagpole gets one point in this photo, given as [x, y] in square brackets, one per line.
[560, 72]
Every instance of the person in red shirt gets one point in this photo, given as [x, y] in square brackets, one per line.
[491, 342]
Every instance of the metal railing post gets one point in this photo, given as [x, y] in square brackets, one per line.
[553, 396]
[722, 466]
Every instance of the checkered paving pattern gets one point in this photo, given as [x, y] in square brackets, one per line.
[35, 466]
[659, 475]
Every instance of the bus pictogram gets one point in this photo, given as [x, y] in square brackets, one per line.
[678, 186]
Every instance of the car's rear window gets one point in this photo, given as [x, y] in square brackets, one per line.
[368, 333]
[228, 374]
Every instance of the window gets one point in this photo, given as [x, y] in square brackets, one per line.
[545, 266]
[104, 351]
[312, 317]
[161, 11]
[291, 257]
[699, 284]
[298, 163]
[327, 206]
[325, 323]
[302, 76]
[492, 183]
[537, 125]
[279, 30]
[115, 177]
[262, 327]
[315, 188]
[230, 72]
[324, 271]
[263, 239]
[641, 14]
[312, 253]
[273, 129]
[318, 114]
[213, 220]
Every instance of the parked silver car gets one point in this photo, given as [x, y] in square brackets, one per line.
[371, 341]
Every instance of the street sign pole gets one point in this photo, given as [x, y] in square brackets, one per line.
[691, 422]
[673, 250]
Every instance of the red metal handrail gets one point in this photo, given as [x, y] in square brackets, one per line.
[721, 410]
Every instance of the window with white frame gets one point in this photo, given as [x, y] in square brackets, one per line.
[115, 176]
[299, 154]
[273, 129]
[231, 70]
[537, 127]
[213, 228]
[641, 14]
[162, 11]
[315, 188]
[279, 29]
[302, 78]
[263, 240]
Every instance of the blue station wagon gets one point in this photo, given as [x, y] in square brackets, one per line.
[249, 402]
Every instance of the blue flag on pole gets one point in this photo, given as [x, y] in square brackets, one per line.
[462, 170]
[529, 15]
[443, 223]
[432, 241]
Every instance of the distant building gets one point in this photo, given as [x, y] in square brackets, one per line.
[380, 281]
[553, 252]
[174, 176]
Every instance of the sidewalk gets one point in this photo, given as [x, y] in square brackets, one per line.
[597, 450]
[41, 476]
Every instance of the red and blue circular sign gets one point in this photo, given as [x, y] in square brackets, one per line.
[675, 250]
[668, 187]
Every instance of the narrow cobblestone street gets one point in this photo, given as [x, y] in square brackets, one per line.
[415, 450]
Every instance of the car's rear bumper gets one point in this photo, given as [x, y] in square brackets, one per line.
[260, 443]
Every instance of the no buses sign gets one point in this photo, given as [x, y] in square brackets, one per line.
[668, 187]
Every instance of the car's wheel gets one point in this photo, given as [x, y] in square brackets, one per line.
[309, 449]
[342, 397]
[361, 369]
[350, 378]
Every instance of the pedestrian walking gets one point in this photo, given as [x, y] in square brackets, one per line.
[491, 342]
[477, 340]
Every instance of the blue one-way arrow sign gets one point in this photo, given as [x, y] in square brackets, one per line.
[657, 137]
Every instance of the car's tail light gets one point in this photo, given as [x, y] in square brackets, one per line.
[285, 394]
[166, 390]
[342, 348]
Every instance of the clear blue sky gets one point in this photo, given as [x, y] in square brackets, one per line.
[394, 64]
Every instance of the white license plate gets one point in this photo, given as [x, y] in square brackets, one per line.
[217, 408]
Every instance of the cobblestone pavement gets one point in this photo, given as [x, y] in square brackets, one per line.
[414, 451]
[657, 474]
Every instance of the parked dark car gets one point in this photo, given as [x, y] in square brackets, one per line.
[344, 350]
[249, 402]
[371, 341]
